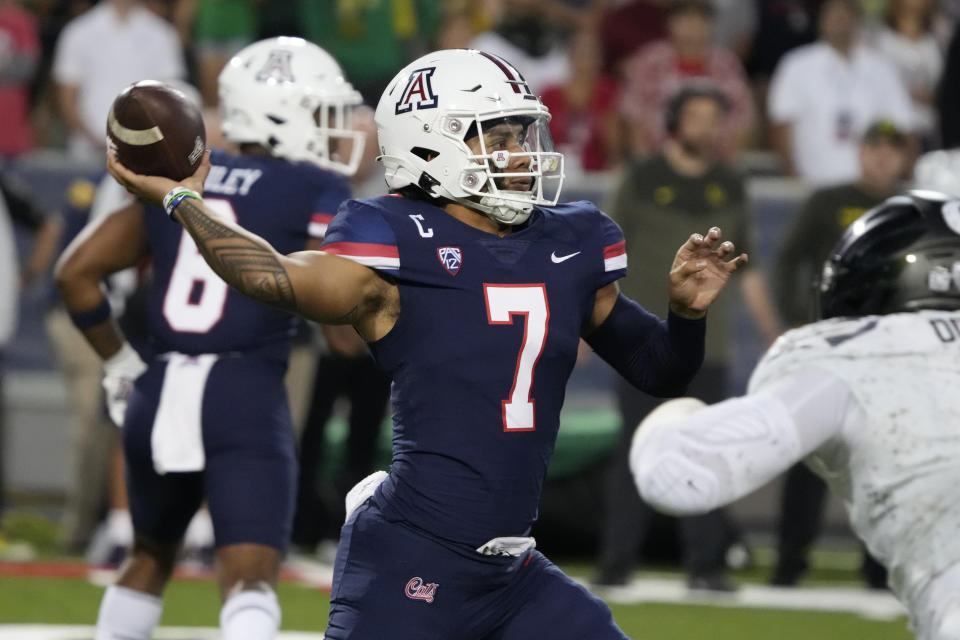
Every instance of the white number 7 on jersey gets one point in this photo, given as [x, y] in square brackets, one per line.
[529, 300]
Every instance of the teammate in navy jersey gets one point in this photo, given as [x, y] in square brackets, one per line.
[207, 418]
[472, 289]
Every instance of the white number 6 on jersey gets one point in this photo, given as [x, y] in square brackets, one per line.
[190, 273]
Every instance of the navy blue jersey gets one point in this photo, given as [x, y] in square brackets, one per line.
[191, 309]
[480, 354]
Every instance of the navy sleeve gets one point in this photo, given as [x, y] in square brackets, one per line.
[657, 357]
[358, 232]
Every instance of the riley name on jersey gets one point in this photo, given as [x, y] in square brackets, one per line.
[192, 310]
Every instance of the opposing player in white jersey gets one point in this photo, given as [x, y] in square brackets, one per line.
[868, 397]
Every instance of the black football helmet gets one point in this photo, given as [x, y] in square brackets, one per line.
[902, 255]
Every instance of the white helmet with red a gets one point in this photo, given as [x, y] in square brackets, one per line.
[438, 102]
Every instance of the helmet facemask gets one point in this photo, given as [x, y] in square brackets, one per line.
[335, 144]
[498, 179]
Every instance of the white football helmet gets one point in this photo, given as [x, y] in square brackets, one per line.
[436, 103]
[291, 97]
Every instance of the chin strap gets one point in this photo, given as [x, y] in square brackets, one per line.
[498, 209]
[504, 211]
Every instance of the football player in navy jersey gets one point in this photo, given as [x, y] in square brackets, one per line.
[472, 288]
[206, 417]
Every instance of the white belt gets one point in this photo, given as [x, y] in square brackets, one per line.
[507, 546]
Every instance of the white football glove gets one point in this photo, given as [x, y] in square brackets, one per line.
[119, 373]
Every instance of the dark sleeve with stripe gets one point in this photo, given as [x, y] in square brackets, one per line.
[614, 251]
[360, 233]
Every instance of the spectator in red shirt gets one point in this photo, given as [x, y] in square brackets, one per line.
[19, 54]
[660, 69]
[584, 125]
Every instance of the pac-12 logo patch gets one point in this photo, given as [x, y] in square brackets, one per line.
[451, 258]
[418, 92]
[417, 589]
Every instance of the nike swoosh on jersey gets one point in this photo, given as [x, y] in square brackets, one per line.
[558, 259]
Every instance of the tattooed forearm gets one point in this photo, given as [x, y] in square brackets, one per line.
[201, 225]
[244, 261]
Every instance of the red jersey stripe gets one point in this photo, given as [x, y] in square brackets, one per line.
[362, 249]
[615, 250]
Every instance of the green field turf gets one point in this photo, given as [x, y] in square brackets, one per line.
[194, 603]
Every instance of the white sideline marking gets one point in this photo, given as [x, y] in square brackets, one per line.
[310, 573]
[80, 632]
[876, 605]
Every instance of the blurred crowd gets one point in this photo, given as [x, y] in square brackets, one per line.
[801, 77]
[681, 98]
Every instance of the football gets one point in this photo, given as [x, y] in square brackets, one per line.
[156, 130]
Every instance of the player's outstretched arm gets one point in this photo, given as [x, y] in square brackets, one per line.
[688, 459]
[319, 286]
[245, 261]
[662, 357]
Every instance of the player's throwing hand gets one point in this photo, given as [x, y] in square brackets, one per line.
[152, 189]
[700, 271]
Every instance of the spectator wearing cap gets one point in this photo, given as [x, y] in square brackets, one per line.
[883, 162]
[658, 200]
[884, 159]
[660, 69]
[824, 95]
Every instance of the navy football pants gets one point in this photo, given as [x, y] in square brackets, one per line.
[251, 468]
[395, 582]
